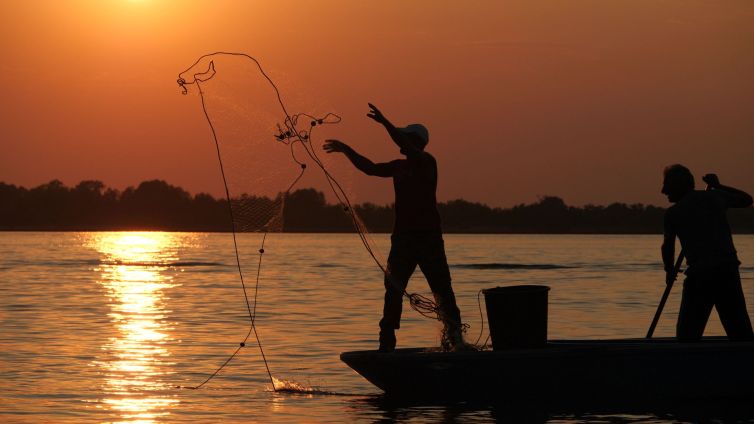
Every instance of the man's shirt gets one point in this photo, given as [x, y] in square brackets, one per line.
[699, 220]
[415, 184]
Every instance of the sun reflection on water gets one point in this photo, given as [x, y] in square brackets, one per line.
[137, 360]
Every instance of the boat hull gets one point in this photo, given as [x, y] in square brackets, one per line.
[632, 370]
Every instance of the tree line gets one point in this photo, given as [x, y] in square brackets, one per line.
[157, 205]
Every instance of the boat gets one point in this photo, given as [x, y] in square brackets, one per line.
[581, 371]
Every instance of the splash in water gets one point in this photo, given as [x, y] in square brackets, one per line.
[287, 386]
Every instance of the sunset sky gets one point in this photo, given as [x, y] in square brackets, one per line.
[587, 100]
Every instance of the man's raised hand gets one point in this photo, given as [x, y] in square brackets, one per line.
[333, 146]
[376, 114]
[711, 180]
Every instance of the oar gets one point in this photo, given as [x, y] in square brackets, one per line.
[668, 287]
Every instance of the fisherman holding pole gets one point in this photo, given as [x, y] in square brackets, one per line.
[698, 219]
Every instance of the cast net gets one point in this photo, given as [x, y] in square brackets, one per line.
[265, 150]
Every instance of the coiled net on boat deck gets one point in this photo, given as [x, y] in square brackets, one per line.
[265, 151]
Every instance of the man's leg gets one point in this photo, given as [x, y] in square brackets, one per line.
[400, 266]
[434, 266]
[731, 306]
[696, 305]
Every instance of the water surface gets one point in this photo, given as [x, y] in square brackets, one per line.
[102, 327]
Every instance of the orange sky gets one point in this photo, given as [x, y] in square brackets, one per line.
[587, 100]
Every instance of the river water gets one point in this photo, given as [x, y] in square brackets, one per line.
[102, 326]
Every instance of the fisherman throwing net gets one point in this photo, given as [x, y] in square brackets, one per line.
[417, 234]
[264, 151]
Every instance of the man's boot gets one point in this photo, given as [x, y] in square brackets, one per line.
[452, 340]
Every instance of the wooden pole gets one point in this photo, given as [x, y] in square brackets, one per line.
[668, 287]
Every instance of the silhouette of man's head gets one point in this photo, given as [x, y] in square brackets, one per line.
[417, 134]
[677, 182]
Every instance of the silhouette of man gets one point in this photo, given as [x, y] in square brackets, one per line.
[417, 234]
[698, 219]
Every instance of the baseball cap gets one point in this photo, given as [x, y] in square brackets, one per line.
[417, 130]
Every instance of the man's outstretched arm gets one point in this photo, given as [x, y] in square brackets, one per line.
[736, 198]
[360, 162]
[399, 138]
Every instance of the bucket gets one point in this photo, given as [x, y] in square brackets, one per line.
[517, 316]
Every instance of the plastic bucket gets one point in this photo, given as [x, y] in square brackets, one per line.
[517, 316]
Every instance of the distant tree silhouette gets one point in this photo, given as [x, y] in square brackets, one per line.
[377, 218]
[93, 203]
[138, 205]
[157, 205]
[307, 210]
